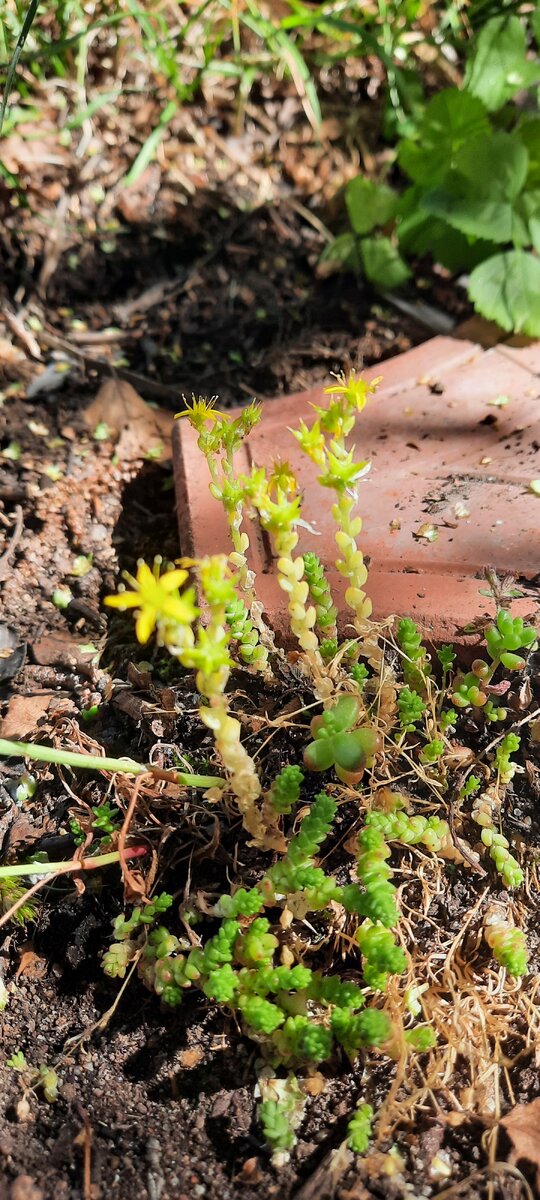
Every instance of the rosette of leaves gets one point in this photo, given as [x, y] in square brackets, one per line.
[339, 744]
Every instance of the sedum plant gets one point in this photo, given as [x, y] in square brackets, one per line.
[205, 649]
[298, 1016]
[321, 595]
[325, 444]
[264, 949]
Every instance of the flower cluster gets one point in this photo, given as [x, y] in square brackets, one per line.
[159, 604]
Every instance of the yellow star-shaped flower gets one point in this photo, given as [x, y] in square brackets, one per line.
[354, 391]
[157, 598]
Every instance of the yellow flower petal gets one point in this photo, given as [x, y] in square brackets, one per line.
[145, 577]
[123, 600]
[173, 579]
[144, 625]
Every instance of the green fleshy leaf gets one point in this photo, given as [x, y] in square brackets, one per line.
[345, 712]
[352, 750]
[319, 755]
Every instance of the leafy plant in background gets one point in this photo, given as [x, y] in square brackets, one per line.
[473, 203]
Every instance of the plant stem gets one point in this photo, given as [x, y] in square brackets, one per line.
[94, 762]
[64, 868]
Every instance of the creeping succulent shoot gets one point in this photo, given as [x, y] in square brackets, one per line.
[321, 595]
[485, 811]
[416, 664]
[509, 947]
[507, 636]
[359, 1129]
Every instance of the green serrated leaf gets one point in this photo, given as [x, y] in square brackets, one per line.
[528, 132]
[382, 263]
[369, 204]
[494, 165]
[450, 119]
[499, 66]
[528, 209]
[535, 22]
[488, 219]
[506, 289]
[421, 233]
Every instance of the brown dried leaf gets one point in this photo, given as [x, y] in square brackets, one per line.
[139, 428]
[522, 1125]
[314, 1085]
[23, 714]
[250, 1172]
[59, 649]
[426, 532]
[191, 1058]
[31, 965]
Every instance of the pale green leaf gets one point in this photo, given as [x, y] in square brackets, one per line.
[495, 164]
[369, 204]
[341, 252]
[488, 219]
[382, 263]
[451, 119]
[499, 66]
[506, 289]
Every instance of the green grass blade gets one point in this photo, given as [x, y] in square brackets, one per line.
[147, 152]
[28, 22]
